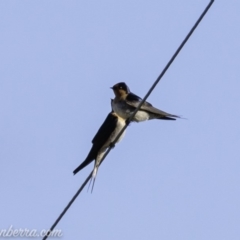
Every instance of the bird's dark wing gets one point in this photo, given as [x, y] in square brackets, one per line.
[99, 140]
[133, 100]
[105, 130]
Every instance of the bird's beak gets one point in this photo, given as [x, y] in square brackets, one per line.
[111, 87]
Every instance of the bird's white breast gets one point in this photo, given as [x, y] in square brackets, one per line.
[121, 109]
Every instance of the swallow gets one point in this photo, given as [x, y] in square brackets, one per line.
[103, 139]
[125, 103]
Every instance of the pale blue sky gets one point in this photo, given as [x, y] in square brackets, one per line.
[166, 179]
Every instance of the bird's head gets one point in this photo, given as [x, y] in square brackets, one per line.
[120, 89]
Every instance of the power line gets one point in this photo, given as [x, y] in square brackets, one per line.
[133, 114]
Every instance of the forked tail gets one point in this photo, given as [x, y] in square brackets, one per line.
[93, 178]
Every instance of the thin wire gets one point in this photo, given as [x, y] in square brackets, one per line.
[132, 116]
[68, 206]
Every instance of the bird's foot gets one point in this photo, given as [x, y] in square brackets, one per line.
[127, 122]
[112, 145]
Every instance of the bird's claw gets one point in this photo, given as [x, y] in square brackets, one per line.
[127, 122]
[112, 145]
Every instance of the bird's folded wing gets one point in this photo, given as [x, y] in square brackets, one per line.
[105, 130]
[133, 100]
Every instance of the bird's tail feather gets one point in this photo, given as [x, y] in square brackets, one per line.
[93, 178]
[168, 117]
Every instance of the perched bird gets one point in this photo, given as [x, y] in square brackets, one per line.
[126, 102]
[106, 134]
